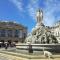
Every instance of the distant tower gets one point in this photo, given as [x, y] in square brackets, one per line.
[39, 16]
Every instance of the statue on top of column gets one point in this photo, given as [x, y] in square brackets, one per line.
[39, 16]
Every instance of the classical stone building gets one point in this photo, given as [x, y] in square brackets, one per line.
[12, 32]
[55, 30]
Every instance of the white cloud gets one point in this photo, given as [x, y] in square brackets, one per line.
[18, 4]
[31, 11]
[52, 7]
[49, 10]
[32, 7]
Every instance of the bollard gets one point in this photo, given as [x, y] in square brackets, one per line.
[30, 48]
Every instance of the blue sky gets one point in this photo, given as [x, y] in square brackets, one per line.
[24, 11]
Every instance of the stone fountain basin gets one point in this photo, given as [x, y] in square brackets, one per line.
[39, 47]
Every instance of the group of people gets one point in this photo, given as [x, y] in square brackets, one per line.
[6, 45]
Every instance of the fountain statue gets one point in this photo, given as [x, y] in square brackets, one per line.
[40, 38]
[40, 33]
[39, 16]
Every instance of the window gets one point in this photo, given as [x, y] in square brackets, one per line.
[16, 33]
[9, 33]
[24, 35]
[2, 33]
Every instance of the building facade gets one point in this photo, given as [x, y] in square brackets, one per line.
[55, 30]
[12, 32]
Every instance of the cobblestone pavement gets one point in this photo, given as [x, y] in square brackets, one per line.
[11, 57]
[4, 56]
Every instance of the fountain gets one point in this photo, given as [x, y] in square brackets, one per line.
[41, 37]
[40, 33]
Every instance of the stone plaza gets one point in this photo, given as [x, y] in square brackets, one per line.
[10, 55]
